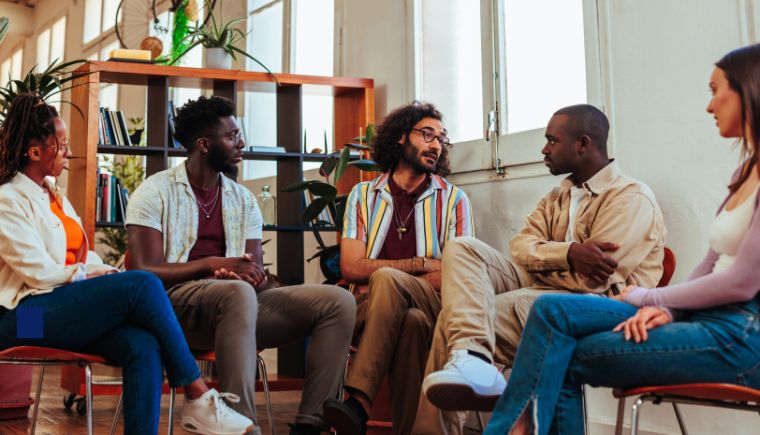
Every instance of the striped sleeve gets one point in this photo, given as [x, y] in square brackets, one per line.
[353, 219]
[461, 224]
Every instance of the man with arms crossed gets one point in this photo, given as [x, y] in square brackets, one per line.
[597, 233]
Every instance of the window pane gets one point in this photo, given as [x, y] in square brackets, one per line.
[109, 97]
[452, 65]
[5, 71]
[43, 50]
[265, 39]
[58, 40]
[92, 13]
[109, 14]
[545, 60]
[16, 64]
[313, 23]
[255, 4]
[105, 52]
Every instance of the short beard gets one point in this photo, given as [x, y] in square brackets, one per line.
[219, 161]
[412, 157]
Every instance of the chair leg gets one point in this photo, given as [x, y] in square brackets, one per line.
[117, 414]
[172, 394]
[37, 399]
[88, 398]
[620, 416]
[481, 425]
[265, 384]
[679, 417]
[637, 404]
[585, 409]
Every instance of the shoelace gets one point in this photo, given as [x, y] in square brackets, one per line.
[222, 410]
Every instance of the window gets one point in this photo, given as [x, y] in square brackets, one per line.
[50, 44]
[10, 69]
[99, 17]
[498, 72]
[306, 49]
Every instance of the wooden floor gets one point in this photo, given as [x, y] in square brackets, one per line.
[55, 420]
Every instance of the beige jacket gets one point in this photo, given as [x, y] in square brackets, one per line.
[616, 209]
[33, 243]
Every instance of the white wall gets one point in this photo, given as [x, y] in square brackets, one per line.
[657, 56]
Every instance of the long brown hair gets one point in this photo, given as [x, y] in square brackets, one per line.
[742, 69]
[29, 118]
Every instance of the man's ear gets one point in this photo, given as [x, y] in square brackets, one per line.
[402, 139]
[583, 143]
[202, 144]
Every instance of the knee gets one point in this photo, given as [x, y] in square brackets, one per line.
[384, 279]
[417, 323]
[457, 248]
[146, 283]
[549, 309]
[241, 297]
[341, 303]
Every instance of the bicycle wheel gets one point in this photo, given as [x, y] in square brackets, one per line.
[138, 19]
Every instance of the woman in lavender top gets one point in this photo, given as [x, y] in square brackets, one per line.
[710, 323]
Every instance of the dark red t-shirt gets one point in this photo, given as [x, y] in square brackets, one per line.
[403, 204]
[211, 241]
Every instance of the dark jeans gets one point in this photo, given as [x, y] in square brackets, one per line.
[126, 318]
[568, 341]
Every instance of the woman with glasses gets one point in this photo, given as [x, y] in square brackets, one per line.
[709, 324]
[46, 267]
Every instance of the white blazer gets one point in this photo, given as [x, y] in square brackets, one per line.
[33, 243]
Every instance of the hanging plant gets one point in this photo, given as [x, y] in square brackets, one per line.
[180, 32]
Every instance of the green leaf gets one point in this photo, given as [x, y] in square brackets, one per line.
[342, 162]
[314, 209]
[328, 166]
[323, 189]
[366, 165]
[301, 185]
[370, 135]
[4, 25]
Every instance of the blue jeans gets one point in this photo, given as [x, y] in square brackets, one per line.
[126, 318]
[568, 341]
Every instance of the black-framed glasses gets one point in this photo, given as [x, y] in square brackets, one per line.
[428, 135]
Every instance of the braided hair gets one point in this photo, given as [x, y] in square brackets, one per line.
[29, 118]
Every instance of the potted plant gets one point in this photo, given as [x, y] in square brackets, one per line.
[219, 39]
[46, 84]
[326, 197]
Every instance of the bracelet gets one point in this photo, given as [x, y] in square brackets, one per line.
[424, 264]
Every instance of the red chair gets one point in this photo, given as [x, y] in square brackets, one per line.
[45, 356]
[707, 394]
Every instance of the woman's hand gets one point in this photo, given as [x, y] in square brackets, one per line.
[645, 318]
[621, 297]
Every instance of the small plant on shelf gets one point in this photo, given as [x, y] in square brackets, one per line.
[326, 196]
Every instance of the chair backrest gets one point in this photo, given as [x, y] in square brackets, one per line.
[668, 267]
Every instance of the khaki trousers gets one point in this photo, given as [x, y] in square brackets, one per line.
[486, 300]
[229, 317]
[398, 319]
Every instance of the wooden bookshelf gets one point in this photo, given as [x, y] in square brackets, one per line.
[353, 109]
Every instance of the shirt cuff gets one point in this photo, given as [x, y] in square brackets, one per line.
[80, 274]
[636, 296]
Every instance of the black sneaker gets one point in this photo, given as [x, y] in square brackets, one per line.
[347, 418]
[303, 429]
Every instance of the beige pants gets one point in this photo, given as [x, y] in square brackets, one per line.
[398, 319]
[486, 301]
[230, 318]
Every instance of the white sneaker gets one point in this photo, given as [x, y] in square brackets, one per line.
[209, 415]
[465, 383]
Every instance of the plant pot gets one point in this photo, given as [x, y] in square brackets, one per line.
[218, 58]
[15, 386]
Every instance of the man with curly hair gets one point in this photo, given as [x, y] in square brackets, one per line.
[200, 232]
[395, 229]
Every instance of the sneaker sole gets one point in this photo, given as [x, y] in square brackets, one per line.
[191, 425]
[342, 423]
[458, 397]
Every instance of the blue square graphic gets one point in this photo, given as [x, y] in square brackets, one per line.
[29, 322]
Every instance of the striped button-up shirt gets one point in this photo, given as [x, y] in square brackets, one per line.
[442, 212]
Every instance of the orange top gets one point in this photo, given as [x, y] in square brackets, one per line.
[74, 233]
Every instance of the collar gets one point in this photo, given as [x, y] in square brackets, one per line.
[381, 183]
[396, 190]
[180, 176]
[599, 182]
[25, 184]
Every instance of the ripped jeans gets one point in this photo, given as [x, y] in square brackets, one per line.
[568, 342]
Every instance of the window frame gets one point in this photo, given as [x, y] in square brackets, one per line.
[49, 28]
[11, 65]
[497, 150]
